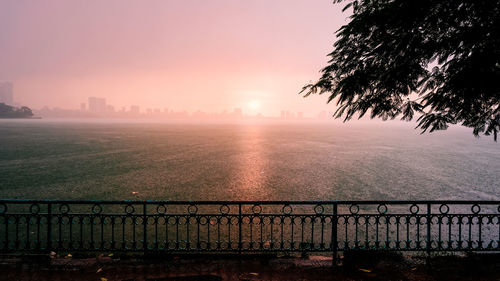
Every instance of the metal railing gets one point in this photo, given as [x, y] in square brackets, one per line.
[247, 226]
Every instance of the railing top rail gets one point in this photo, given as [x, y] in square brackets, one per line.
[230, 202]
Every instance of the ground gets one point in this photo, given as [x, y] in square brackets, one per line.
[352, 266]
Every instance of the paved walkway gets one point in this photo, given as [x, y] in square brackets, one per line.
[105, 268]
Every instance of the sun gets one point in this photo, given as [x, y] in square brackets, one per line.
[254, 104]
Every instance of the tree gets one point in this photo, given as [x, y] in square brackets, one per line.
[7, 111]
[25, 111]
[439, 59]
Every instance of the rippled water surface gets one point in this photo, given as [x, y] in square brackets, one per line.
[186, 161]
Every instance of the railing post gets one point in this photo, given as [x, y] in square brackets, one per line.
[145, 223]
[6, 219]
[428, 242]
[49, 227]
[240, 223]
[334, 235]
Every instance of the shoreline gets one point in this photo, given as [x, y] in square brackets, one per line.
[36, 117]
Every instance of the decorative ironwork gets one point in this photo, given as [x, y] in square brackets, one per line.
[248, 226]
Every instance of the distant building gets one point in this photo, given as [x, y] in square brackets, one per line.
[83, 107]
[134, 109]
[97, 105]
[6, 93]
[283, 114]
[238, 113]
[199, 114]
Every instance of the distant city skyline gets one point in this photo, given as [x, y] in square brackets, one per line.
[98, 107]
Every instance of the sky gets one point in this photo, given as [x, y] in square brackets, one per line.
[183, 55]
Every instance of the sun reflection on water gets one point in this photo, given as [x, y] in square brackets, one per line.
[249, 173]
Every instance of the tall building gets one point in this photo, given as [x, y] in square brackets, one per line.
[134, 109]
[97, 105]
[6, 93]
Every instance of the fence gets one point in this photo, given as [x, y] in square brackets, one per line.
[31, 226]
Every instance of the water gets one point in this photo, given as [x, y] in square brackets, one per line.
[44, 159]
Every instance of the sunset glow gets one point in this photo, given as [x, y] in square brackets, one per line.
[254, 105]
[180, 55]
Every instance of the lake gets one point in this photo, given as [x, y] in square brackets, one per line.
[95, 159]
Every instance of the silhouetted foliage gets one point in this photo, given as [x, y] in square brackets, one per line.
[437, 58]
[7, 111]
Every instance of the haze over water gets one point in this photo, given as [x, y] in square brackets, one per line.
[243, 161]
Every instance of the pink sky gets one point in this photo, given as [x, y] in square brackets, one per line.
[184, 55]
